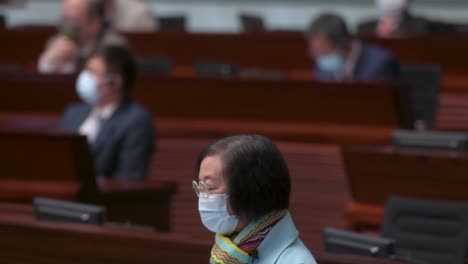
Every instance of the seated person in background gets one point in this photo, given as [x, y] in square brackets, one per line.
[130, 15]
[120, 131]
[341, 57]
[82, 31]
[397, 19]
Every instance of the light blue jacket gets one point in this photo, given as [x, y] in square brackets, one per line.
[283, 246]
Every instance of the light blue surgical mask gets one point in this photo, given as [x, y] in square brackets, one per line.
[215, 216]
[86, 87]
[331, 63]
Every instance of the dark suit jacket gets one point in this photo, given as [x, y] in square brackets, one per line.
[124, 144]
[411, 25]
[373, 64]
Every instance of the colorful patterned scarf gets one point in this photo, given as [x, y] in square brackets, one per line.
[239, 249]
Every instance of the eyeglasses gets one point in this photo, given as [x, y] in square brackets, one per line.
[200, 189]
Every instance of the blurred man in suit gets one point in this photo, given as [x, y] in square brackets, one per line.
[341, 57]
[120, 131]
[396, 19]
[82, 30]
[130, 15]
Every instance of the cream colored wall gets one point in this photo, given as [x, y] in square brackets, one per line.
[221, 15]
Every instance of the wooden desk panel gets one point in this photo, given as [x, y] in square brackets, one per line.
[286, 110]
[60, 166]
[23, 242]
[286, 52]
[318, 200]
[453, 111]
[226, 99]
[375, 173]
[270, 50]
[447, 50]
[306, 101]
[209, 129]
[23, 46]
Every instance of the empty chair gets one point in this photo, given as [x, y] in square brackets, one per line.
[427, 231]
[214, 68]
[252, 23]
[172, 23]
[419, 95]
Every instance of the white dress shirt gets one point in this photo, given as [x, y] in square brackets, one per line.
[92, 124]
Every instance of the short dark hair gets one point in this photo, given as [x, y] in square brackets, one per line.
[332, 26]
[119, 60]
[257, 175]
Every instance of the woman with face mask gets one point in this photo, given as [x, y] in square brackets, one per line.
[243, 186]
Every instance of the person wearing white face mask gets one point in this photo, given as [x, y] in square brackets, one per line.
[396, 18]
[120, 132]
[243, 185]
[339, 56]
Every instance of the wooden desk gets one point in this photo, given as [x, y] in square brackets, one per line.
[23, 242]
[377, 172]
[23, 45]
[293, 110]
[447, 50]
[318, 198]
[245, 50]
[287, 52]
[60, 166]
[212, 98]
[51, 94]
[265, 50]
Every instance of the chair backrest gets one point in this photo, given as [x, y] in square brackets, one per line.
[252, 23]
[419, 94]
[172, 23]
[427, 231]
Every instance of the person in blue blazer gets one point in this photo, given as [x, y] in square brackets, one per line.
[243, 187]
[341, 57]
[119, 131]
